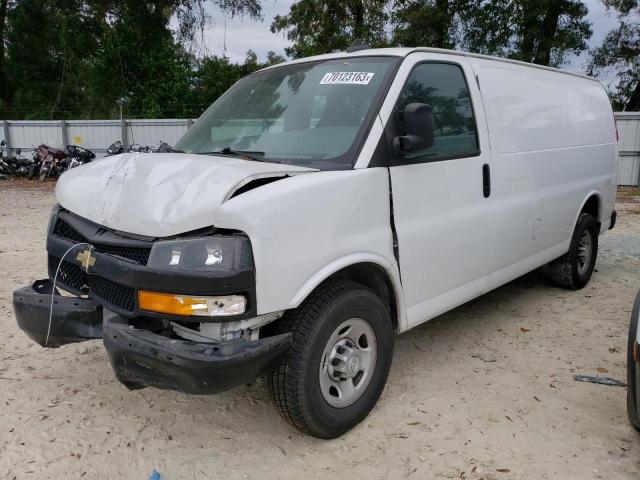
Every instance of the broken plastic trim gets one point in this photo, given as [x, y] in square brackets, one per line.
[73, 319]
[248, 329]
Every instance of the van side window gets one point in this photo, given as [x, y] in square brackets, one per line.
[443, 86]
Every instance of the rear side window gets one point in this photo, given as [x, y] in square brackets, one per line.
[443, 86]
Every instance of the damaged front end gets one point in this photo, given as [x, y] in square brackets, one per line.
[154, 357]
[175, 313]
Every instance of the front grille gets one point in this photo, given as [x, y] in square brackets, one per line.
[69, 274]
[138, 255]
[73, 277]
[64, 230]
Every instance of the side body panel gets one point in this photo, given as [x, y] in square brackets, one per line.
[552, 138]
[549, 140]
[304, 229]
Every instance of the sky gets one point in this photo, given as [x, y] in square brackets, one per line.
[241, 34]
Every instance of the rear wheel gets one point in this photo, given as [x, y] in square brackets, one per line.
[339, 359]
[633, 369]
[573, 270]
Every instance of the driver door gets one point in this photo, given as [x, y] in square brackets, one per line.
[442, 200]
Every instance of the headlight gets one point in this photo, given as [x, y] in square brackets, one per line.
[218, 253]
[190, 305]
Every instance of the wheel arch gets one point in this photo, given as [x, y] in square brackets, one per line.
[369, 270]
[592, 204]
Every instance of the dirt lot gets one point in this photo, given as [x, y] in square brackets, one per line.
[485, 391]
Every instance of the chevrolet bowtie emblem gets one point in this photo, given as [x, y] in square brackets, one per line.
[86, 259]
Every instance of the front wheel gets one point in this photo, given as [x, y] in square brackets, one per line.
[573, 270]
[338, 362]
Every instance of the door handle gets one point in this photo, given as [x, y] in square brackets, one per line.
[486, 180]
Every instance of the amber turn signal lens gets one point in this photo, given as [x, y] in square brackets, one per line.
[200, 306]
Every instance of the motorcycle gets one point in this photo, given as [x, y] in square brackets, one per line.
[77, 156]
[117, 148]
[50, 161]
[14, 165]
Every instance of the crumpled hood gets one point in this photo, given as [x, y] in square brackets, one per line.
[158, 195]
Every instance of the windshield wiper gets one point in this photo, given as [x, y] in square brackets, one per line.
[238, 153]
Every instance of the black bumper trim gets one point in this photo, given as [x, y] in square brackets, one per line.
[73, 319]
[142, 358]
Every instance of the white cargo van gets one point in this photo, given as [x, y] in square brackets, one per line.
[315, 209]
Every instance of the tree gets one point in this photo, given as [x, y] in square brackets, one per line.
[424, 23]
[620, 53]
[74, 58]
[324, 26]
[4, 6]
[536, 31]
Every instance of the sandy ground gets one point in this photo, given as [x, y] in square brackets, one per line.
[485, 391]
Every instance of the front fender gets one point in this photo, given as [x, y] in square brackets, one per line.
[306, 227]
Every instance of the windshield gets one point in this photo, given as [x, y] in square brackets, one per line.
[311, 114]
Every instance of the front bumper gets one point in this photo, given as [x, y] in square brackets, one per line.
[141, 357]
[72, 319]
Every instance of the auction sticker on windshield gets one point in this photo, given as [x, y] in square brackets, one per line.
[354, 78]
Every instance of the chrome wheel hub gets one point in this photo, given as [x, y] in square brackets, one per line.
[585, 249]
[348, 362]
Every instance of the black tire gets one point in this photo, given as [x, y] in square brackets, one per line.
[569, 271]
[633, 370]
[295, 382]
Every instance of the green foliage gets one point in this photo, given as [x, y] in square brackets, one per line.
[325, 26]
[425, 23]
[620, 54]
[538, 31]
[74, 58]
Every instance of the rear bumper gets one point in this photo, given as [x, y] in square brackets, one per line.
[141, 357]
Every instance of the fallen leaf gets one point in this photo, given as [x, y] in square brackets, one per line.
[509, 418]
[524, 330]
[414, 423]
[503, 470]
[602, 370]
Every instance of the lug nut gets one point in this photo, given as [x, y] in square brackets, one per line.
[340, 349]
[335, 362]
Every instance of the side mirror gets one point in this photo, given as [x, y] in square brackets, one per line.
[418, 121]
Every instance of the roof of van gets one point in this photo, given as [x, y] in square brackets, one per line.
[405, 51]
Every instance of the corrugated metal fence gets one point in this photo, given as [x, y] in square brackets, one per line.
[97, 135]
[628, 148]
